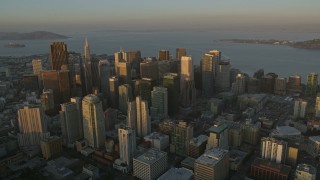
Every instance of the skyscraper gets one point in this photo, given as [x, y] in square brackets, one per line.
[127, 145]
[114, 92]
[171, 82]
[146, 87]
[59, 82]
[143, 118]
[280, 86]
[88, 68]
[71, 123]
[186, 69]
[312, 84]
[125, 96]
[118, 57]
[104, 73]
[299, 109]
[163, 55]
[149, 69]
[93, 121]
[187, 86]
[36, 66]
[159, 102]
[32, 126]
[223, 76]
[58, 56]
[134, 57]
[124, 72]
[239, 86]
[209, 66]
[180, 52]
[132, 115]
[47, 99]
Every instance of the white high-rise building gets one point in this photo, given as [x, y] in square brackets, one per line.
[93, 121]
[71, 123]
[143, 118]
[299, 110]
[159, 102]
[32, 126]
[273, 149]
[127, 145]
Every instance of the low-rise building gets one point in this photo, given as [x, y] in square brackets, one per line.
[158, 140]
[177, 173]
[305, 172]
[51, 146]
[150, 165]
[197, 146]
[236, 158]
[213, 164]
[91, 170]
[264, 169]
[314, 146]
[218, 136]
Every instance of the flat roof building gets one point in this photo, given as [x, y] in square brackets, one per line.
[176, 174]
[305, 171]
[150, 165]
[264, 169]
[213, 164]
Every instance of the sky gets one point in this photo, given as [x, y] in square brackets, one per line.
[60, 15]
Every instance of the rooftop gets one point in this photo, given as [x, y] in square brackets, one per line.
[285, 131]
[176, 173]
[315, 138]
[156, 135]
[218, 128]
[91, 98]
[199, 140]
[151, 156]
[306, 168]
[212, 156]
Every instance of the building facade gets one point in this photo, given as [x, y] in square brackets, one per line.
[93, 121]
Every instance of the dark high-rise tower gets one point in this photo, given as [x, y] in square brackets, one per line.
[180, 52]
[164, 55]
[171, 82]
[59, 56]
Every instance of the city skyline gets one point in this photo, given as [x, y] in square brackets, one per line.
[162, 15]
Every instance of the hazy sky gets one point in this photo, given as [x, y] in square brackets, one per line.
[22, 15]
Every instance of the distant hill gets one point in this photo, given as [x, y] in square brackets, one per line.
[36, 35]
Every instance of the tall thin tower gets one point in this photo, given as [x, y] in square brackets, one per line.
[188, 91]
[143, 118]
[88, 69]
